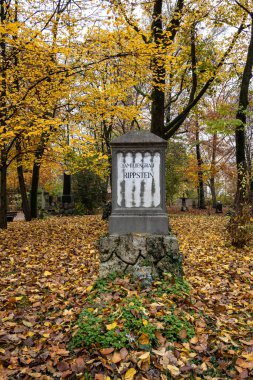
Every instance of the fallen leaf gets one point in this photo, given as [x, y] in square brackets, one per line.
[27, 323]
[99, 376]
[144, 356]
[116, 357]
[62, 366]
[144, 339]
[244, 364]
[194, 340]
[129, 375]
[111, 326]
[106, 351]
[248, 356]
[173, 370]
[47, 273]
[123, 353]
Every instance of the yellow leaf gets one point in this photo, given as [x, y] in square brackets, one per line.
[18, 298]
[224, 339]
[30, 333]
[145, 322]
[26, 323]
[192, 354]
[144, 356]
[194, 340]
[46, 273]
[89, 288]
[203, 366]
[2, 350]
[46, 335]
[173, 370]
[144, 339]
[130, 374]
[111, 326]
[248, 357]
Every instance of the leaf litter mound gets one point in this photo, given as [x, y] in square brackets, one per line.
[49, 293]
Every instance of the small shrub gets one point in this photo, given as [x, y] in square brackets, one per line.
[240, 227]
[174, 325]
[89, 191]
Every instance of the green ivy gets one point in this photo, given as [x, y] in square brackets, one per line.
[129, 315]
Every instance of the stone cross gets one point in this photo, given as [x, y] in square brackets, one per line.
[138, 184]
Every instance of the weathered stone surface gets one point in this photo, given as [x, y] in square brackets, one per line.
[137, 254]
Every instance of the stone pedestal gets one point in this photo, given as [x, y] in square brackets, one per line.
[140, 254]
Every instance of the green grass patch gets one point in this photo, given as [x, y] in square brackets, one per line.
[119, 313]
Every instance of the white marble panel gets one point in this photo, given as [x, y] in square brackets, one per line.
[138, 179]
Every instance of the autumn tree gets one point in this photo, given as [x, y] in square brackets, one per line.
[241, 115]
[184, 61]
[37, 66]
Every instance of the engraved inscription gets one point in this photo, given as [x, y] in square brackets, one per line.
[138, 179]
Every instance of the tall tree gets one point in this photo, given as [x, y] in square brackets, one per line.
[182, 69]
[200, 188]
[241, 115]
[4, 148]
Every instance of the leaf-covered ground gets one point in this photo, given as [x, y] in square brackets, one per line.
[48, 268]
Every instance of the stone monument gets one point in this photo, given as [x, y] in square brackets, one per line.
[139, 240]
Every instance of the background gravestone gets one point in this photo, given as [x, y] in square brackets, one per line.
[139, 240]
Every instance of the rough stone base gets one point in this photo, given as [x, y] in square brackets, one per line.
[140, 254]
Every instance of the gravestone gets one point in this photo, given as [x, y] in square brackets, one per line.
[139, 240]
[138, 184]
[218, 208]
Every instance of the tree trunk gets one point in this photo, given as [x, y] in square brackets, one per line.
[158, 63]
[251, 195]
[22, 186]
[212, 176]
[34, 189]
[24, 198]
[36, 173]
[240, 197]
[201, 193]
[213, 192]
[159, 72]
[249, 160]
[4, 150]
[3, 195]
[241, 191]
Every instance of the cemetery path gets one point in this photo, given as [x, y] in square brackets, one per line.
[48, 267]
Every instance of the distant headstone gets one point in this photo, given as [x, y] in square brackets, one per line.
[139, 240]
[218, 207]
[138, 184]
[184, 205]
